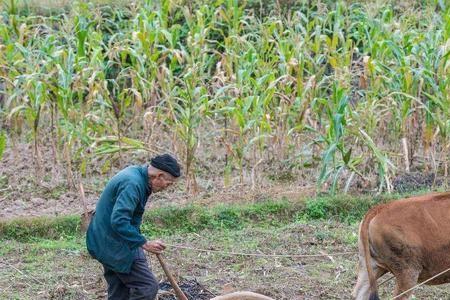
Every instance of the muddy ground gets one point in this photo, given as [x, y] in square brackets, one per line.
[62, 269]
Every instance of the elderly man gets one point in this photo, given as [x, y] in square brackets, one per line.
[114, 237]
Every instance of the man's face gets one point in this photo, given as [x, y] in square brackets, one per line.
[162, 181]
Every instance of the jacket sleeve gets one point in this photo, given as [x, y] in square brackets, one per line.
[122, 214]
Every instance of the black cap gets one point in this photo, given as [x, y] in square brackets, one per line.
[166, 163]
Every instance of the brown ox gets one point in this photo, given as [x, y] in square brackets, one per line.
[409, 238]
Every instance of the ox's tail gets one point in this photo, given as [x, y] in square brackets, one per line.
[364, 235]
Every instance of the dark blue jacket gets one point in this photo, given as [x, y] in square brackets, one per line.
[114, 235]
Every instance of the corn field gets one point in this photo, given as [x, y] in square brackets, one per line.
[347, 91]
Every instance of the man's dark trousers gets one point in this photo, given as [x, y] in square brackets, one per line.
[140, 283]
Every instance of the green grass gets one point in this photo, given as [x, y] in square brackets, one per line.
[62, 269]
[49, 227]
[62, 266]
[194, 218]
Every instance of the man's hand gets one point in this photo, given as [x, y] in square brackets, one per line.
[155, 247]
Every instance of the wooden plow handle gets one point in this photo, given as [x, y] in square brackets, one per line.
[178, 292]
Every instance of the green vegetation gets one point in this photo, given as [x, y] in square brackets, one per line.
[346, 94]
[162, 221]
[62, 269]
[48, 227]
[349, 90]
[170, 220]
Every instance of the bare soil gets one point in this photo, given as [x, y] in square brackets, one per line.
[23, 193]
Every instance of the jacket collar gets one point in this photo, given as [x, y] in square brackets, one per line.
[144, 172]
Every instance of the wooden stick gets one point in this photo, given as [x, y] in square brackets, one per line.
[178, 291]
[405, 153]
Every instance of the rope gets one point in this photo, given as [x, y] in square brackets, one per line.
[259, 254]
[390, 278]
[420, 284]
[301, 256]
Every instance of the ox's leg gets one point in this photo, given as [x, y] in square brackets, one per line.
[406, 279]
[362, 287]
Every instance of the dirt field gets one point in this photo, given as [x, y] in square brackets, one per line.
[21, 195]
[61, 269]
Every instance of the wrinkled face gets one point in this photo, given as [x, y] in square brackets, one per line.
[162, 181]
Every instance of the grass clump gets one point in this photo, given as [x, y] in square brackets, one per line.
[47, 227]
[170, 220]
[194, 218]
[343, 208]
[346, 208]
